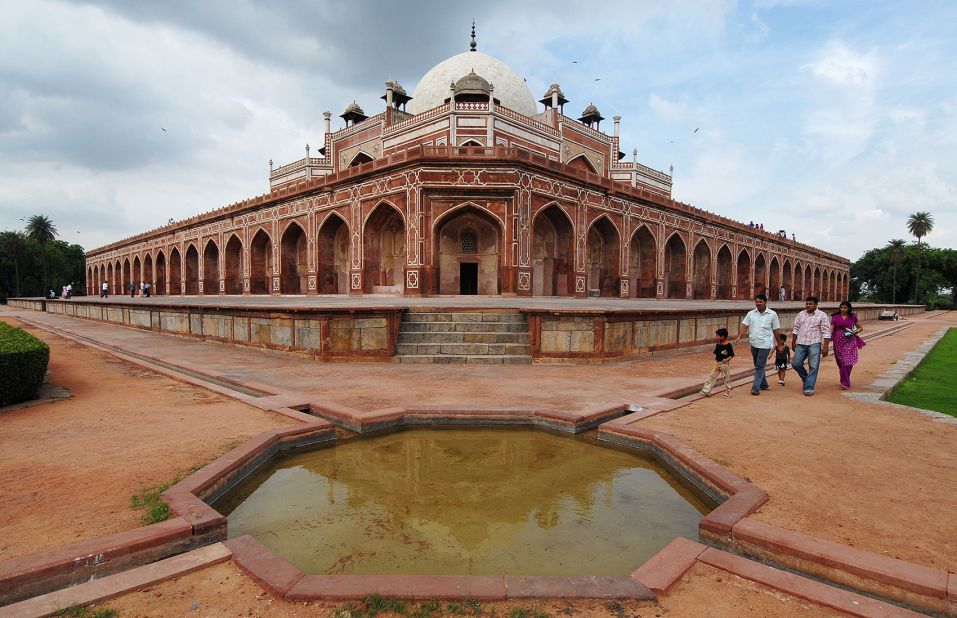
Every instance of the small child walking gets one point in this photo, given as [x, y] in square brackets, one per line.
[723, 353]
[782, 358]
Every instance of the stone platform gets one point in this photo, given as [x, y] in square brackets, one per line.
[342, 327]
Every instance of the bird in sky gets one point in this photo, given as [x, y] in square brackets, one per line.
[574, 62]
[696, 130]
[164, 130]
[597, 79]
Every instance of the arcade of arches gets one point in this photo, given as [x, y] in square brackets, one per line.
[471, 249]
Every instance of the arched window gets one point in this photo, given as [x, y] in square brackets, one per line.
[469, 242]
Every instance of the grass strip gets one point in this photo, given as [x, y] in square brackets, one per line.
[931, 385]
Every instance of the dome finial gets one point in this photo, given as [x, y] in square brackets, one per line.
[473, 44]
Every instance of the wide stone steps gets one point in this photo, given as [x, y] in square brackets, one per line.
[474, 337]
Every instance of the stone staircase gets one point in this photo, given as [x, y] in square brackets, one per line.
[487, 337]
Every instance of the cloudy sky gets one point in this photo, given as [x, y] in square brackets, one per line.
[835, 120]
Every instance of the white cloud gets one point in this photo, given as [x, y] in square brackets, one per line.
[671, 111]
[840, 65]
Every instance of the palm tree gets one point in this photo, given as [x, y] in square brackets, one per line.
[895, 250]
[42, 231]
[919, 224]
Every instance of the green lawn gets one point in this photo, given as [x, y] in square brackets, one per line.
[931, 385]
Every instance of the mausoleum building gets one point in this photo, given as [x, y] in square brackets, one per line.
[468, 186]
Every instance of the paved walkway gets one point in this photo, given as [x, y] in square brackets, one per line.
[464, 302]
[370, 386]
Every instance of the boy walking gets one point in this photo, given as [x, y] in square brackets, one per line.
[723, 353]
[782, 357]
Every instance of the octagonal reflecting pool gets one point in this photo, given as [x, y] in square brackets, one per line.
[477, 501]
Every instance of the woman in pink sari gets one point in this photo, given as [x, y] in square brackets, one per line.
[845, 341]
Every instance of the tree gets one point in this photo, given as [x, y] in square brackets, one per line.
[919, 224]
[42, 231]
[895, 251]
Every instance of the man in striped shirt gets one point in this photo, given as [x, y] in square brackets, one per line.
[809, 340]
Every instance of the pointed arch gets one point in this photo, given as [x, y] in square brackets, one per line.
[211, 268]
[674, 276]
[191, 268]
[137, 272]
[643, 262]
[110, 279]
[808, 281]
[383, 248]
[333, 255]
[787, 279]
[603, 257]
[553, 252]
[725, 272]
[260, 263]
[761, 275]
[360, 158]
[816, 285]
[471, 142]
[161, 286]
[293, 259]
[744, 275]
[701, 270]
[89, 280]
[467, 242]
[175, 272]
[148, 270]
[233, 266]
[127, 276]
[581, 162]
[774, 279]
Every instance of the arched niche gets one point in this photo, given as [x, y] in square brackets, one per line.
[643, 263]
[468, 246]
[787, 279]
[161, 281]
[260, 263]
[603, 258]
[744, 275]
[761, 275]
[148, 275]
[211, 268]
[333, 245]
[192, 270]
[582, 163]
[552, 253]
[233, 266]
[293, 260]
[383, 245]
[725, 273]
[774, 280]
[701, 271]
[673, 278]
[175, 271]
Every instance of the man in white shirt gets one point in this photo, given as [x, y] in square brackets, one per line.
[809, 340]
[762, 326]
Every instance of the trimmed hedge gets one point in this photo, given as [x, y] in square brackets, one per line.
[23, 363]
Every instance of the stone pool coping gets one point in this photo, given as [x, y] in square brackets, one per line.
[195, 523]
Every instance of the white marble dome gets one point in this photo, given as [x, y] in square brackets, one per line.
[509, 88]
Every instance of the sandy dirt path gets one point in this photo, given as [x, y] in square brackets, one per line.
[70, 466]
[873, 476]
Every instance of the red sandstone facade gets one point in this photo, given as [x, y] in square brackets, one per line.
[468, 197]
